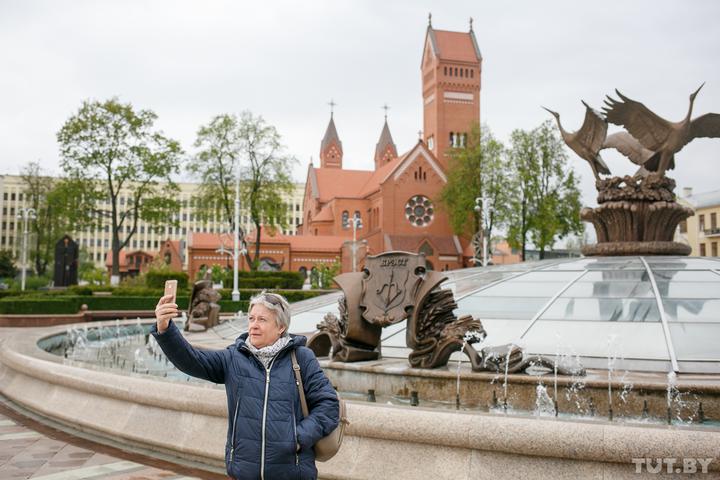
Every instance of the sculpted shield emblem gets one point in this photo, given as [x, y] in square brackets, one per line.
[390, 288]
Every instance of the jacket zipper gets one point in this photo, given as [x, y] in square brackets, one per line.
[264, 418]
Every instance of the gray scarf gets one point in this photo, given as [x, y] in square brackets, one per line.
[266, 354]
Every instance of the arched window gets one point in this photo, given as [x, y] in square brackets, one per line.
[452, 139]
[444, 70]
[303, 272]
[426, 249]
[463, 138]
[456, 71]
[462, 71]
[472, 73]
[345, 219]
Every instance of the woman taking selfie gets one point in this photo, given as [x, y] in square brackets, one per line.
[268, 437]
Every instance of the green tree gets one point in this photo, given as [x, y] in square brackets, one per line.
[122, 168]
[7, 265]
[247, 142]
[54, 203]
[88, 272]
[480, 169]
[546, 206]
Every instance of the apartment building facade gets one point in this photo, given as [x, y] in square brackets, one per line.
[97, 242]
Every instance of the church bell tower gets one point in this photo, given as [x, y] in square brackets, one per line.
[451, 69]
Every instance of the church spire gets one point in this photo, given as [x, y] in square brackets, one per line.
[331, 147]
[385, 149]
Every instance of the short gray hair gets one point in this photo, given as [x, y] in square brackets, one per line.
[278, 304]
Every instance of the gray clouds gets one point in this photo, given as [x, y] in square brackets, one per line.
[189, 61]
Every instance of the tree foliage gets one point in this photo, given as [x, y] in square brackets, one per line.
[55, 204]
[546, 204]
[121, 168]
[480, 169]
[7, 264]
[248, 144]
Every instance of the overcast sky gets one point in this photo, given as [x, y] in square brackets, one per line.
[189, 61]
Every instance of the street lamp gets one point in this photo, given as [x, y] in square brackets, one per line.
[483, 207]
[236, 248]
[26, 214]
[356, 223]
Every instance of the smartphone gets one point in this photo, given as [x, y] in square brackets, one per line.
[171, 289]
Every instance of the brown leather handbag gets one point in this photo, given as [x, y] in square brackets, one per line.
[328, 446]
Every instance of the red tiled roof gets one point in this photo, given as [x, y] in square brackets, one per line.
[208, 240]
[317, 242]
[456, 46]
[340, 183]
[325, 215]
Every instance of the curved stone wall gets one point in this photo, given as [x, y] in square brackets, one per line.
[189, 421]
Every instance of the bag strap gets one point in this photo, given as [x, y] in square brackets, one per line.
[299, 382]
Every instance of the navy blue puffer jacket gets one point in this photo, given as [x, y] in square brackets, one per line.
[265, 421]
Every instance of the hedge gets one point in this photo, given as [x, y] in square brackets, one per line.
[29, 305]
[155, 279]
[65, 304]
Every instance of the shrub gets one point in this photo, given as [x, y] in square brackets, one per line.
[30, 305]
[157, 278]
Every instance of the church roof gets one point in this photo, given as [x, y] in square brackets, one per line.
[325, 215]
[338, 183]
[330, 136]
[454, 46]
[385, 140]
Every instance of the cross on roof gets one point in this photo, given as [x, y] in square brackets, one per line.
[386, 108]
[332, 106]
[471, 21]
[420, 135]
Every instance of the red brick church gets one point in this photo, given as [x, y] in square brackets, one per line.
[397, 200]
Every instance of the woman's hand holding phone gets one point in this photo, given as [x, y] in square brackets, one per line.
[166, 308]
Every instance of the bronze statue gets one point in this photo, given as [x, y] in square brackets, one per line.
[588, 141]
[203, 309]
[395, 287]
[657, 134]
[637, 215]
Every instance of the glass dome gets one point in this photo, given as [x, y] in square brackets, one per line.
[640, 313]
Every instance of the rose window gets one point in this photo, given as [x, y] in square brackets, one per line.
[419, 210]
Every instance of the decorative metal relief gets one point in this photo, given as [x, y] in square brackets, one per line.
[396, 286]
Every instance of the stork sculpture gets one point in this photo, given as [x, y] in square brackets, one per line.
[588, 141]
[657, 134]
[631, 148]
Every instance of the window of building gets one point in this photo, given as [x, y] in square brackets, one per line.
[713, 221]
[462, 72]
[426, 249]
[20, 197]
[702, 250]
[472, 73]
[431, 142]
[106, 243]
[714, 249]
[683, 226]
[456, 71]
[701, 222]
[12, 196]
[419, 211]
[5, 196]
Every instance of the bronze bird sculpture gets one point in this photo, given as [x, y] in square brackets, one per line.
[630, 147]
[657, 134]
[587, 141]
